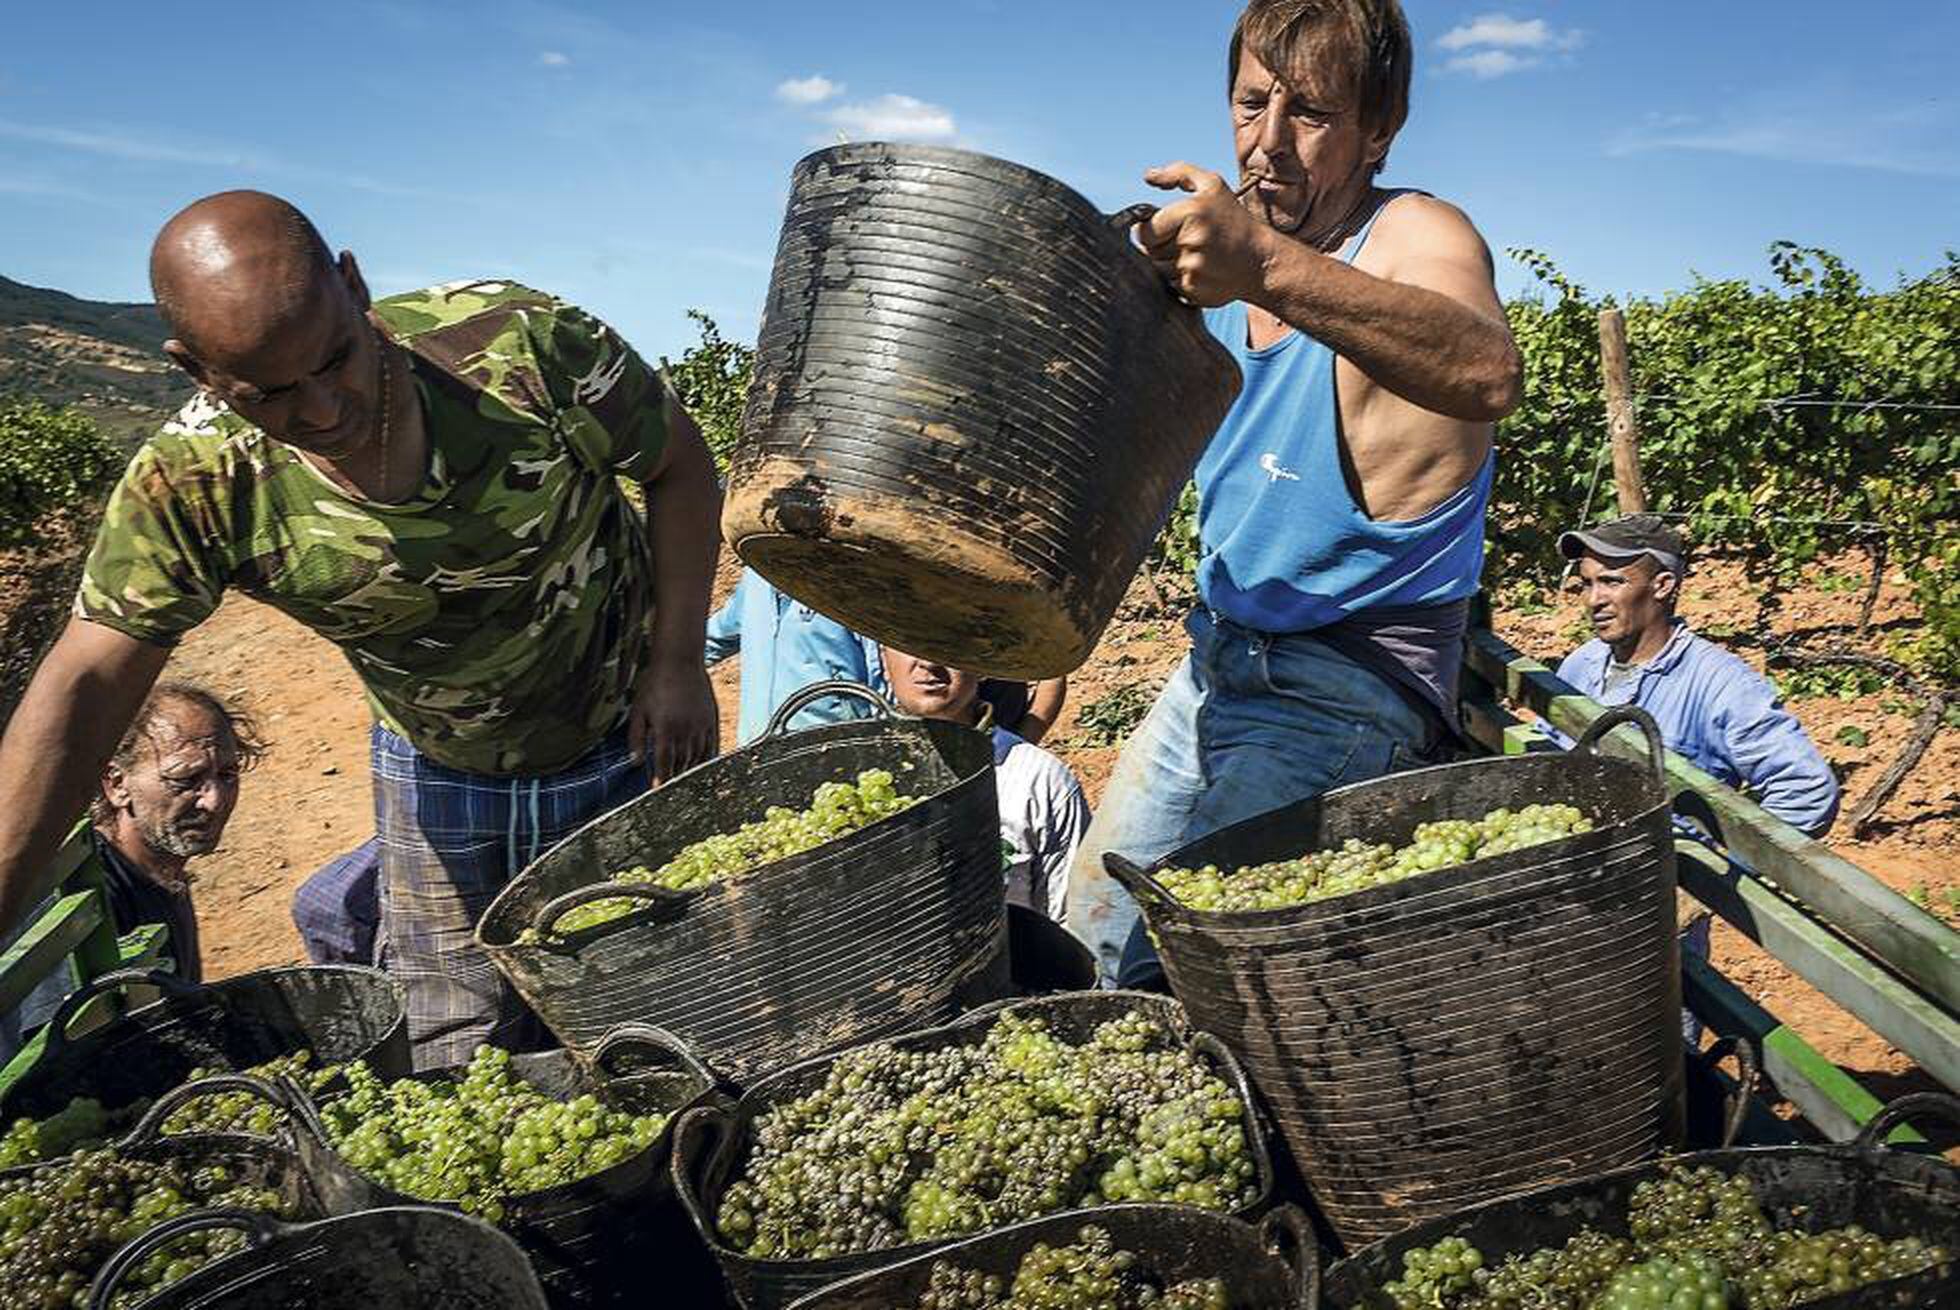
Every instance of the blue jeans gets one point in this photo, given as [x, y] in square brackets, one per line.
[1248, 722]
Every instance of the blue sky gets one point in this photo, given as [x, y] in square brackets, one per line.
[634, 157]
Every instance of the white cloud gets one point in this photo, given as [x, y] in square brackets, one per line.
[554, 58]
[893, 118]
[812, 90]
[1490, 63]
[1514, 33]
[120, 146]
[1489, 44]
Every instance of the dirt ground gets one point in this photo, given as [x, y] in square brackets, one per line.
[309, 799]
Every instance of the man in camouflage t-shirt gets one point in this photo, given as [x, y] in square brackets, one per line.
[432, 482]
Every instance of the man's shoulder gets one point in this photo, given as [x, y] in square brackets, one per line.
[453, 304]
[1587, 657]
[1018, 755]
[203, 442]
[1714, 662]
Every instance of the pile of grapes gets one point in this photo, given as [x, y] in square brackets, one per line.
[61, 1223]
[81, 1124]
[1698, 1240]
[836, 810]
[84, 1124]
[900, 1146]
[1356, 865]
[478, 1140]
[1089, 1275]
[242, 1112]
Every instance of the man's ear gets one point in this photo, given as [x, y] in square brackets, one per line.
[350, 273]
[1380, 138]
[1667, 587]
[180, 355]
[115, 786]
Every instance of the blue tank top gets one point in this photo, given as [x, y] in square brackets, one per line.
[1284, 546]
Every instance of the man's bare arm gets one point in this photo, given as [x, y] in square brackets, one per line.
[1430, 329]
[80, 703]
[674, 719]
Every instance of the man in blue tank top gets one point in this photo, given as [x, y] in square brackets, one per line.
[1341, 503]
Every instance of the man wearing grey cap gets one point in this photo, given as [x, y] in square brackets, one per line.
[1712, 708]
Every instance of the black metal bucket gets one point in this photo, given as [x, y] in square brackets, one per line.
[1461, 1034]
[1271, 1266]
[940, 324]
[338, 1012]
[890, 928]
[592, 1240]
[402, 1258]
[713, 1142]
[1892, 1193]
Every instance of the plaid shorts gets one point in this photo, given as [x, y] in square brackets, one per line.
[450, 840]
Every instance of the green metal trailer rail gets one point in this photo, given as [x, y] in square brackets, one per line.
[1885, 961]
[76, 935]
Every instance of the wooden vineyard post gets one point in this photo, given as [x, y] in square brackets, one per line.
[1620, 424]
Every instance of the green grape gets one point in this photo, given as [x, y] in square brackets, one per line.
[1356, 865]
[243, 1112]
[480, 1139]
[1697, 1240]
[82, 1123]
[836, 810]
[1090, 1274]
[900, 1145]
[61, 1222]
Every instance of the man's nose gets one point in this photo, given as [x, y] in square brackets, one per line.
[1272, 124]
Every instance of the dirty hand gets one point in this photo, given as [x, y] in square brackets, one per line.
[673, 724]
[1210, 249]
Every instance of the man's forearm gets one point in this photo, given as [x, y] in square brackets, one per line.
[684, 529]
[1427, 348]
[66, 727]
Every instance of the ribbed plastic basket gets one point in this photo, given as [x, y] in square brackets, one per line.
[338, 1012]
[408, 1258]
[1461, 1034]
[896, 926]
[590, 1239]
[1270, 1266]
[714, 1142]
[1810, 1188]
[974, 403]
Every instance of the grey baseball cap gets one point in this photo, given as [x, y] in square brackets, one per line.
[1629, 538]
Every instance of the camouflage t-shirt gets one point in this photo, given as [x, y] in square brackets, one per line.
[497, 619]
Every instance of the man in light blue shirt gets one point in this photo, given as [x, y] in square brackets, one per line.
[785, 646]
[1712, 707]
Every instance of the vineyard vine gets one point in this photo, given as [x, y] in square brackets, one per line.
[1780, 421]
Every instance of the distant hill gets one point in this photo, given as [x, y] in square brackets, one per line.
[101, 357]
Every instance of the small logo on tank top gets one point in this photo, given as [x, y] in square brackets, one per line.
[1274, 470]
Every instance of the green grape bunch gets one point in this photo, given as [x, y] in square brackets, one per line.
[60, 1223]
[81, 1124]
[479, 1140]
[1697, 1239]
[243, 1112]
[1090, 1274]
[1356, 865]
[84, 1123]
[836, 810]
[901, 1146]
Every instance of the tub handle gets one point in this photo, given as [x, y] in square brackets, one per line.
[1656, 748]
[1899, 1109]
[779, 721]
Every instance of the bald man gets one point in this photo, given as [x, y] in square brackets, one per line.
[432, 482]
